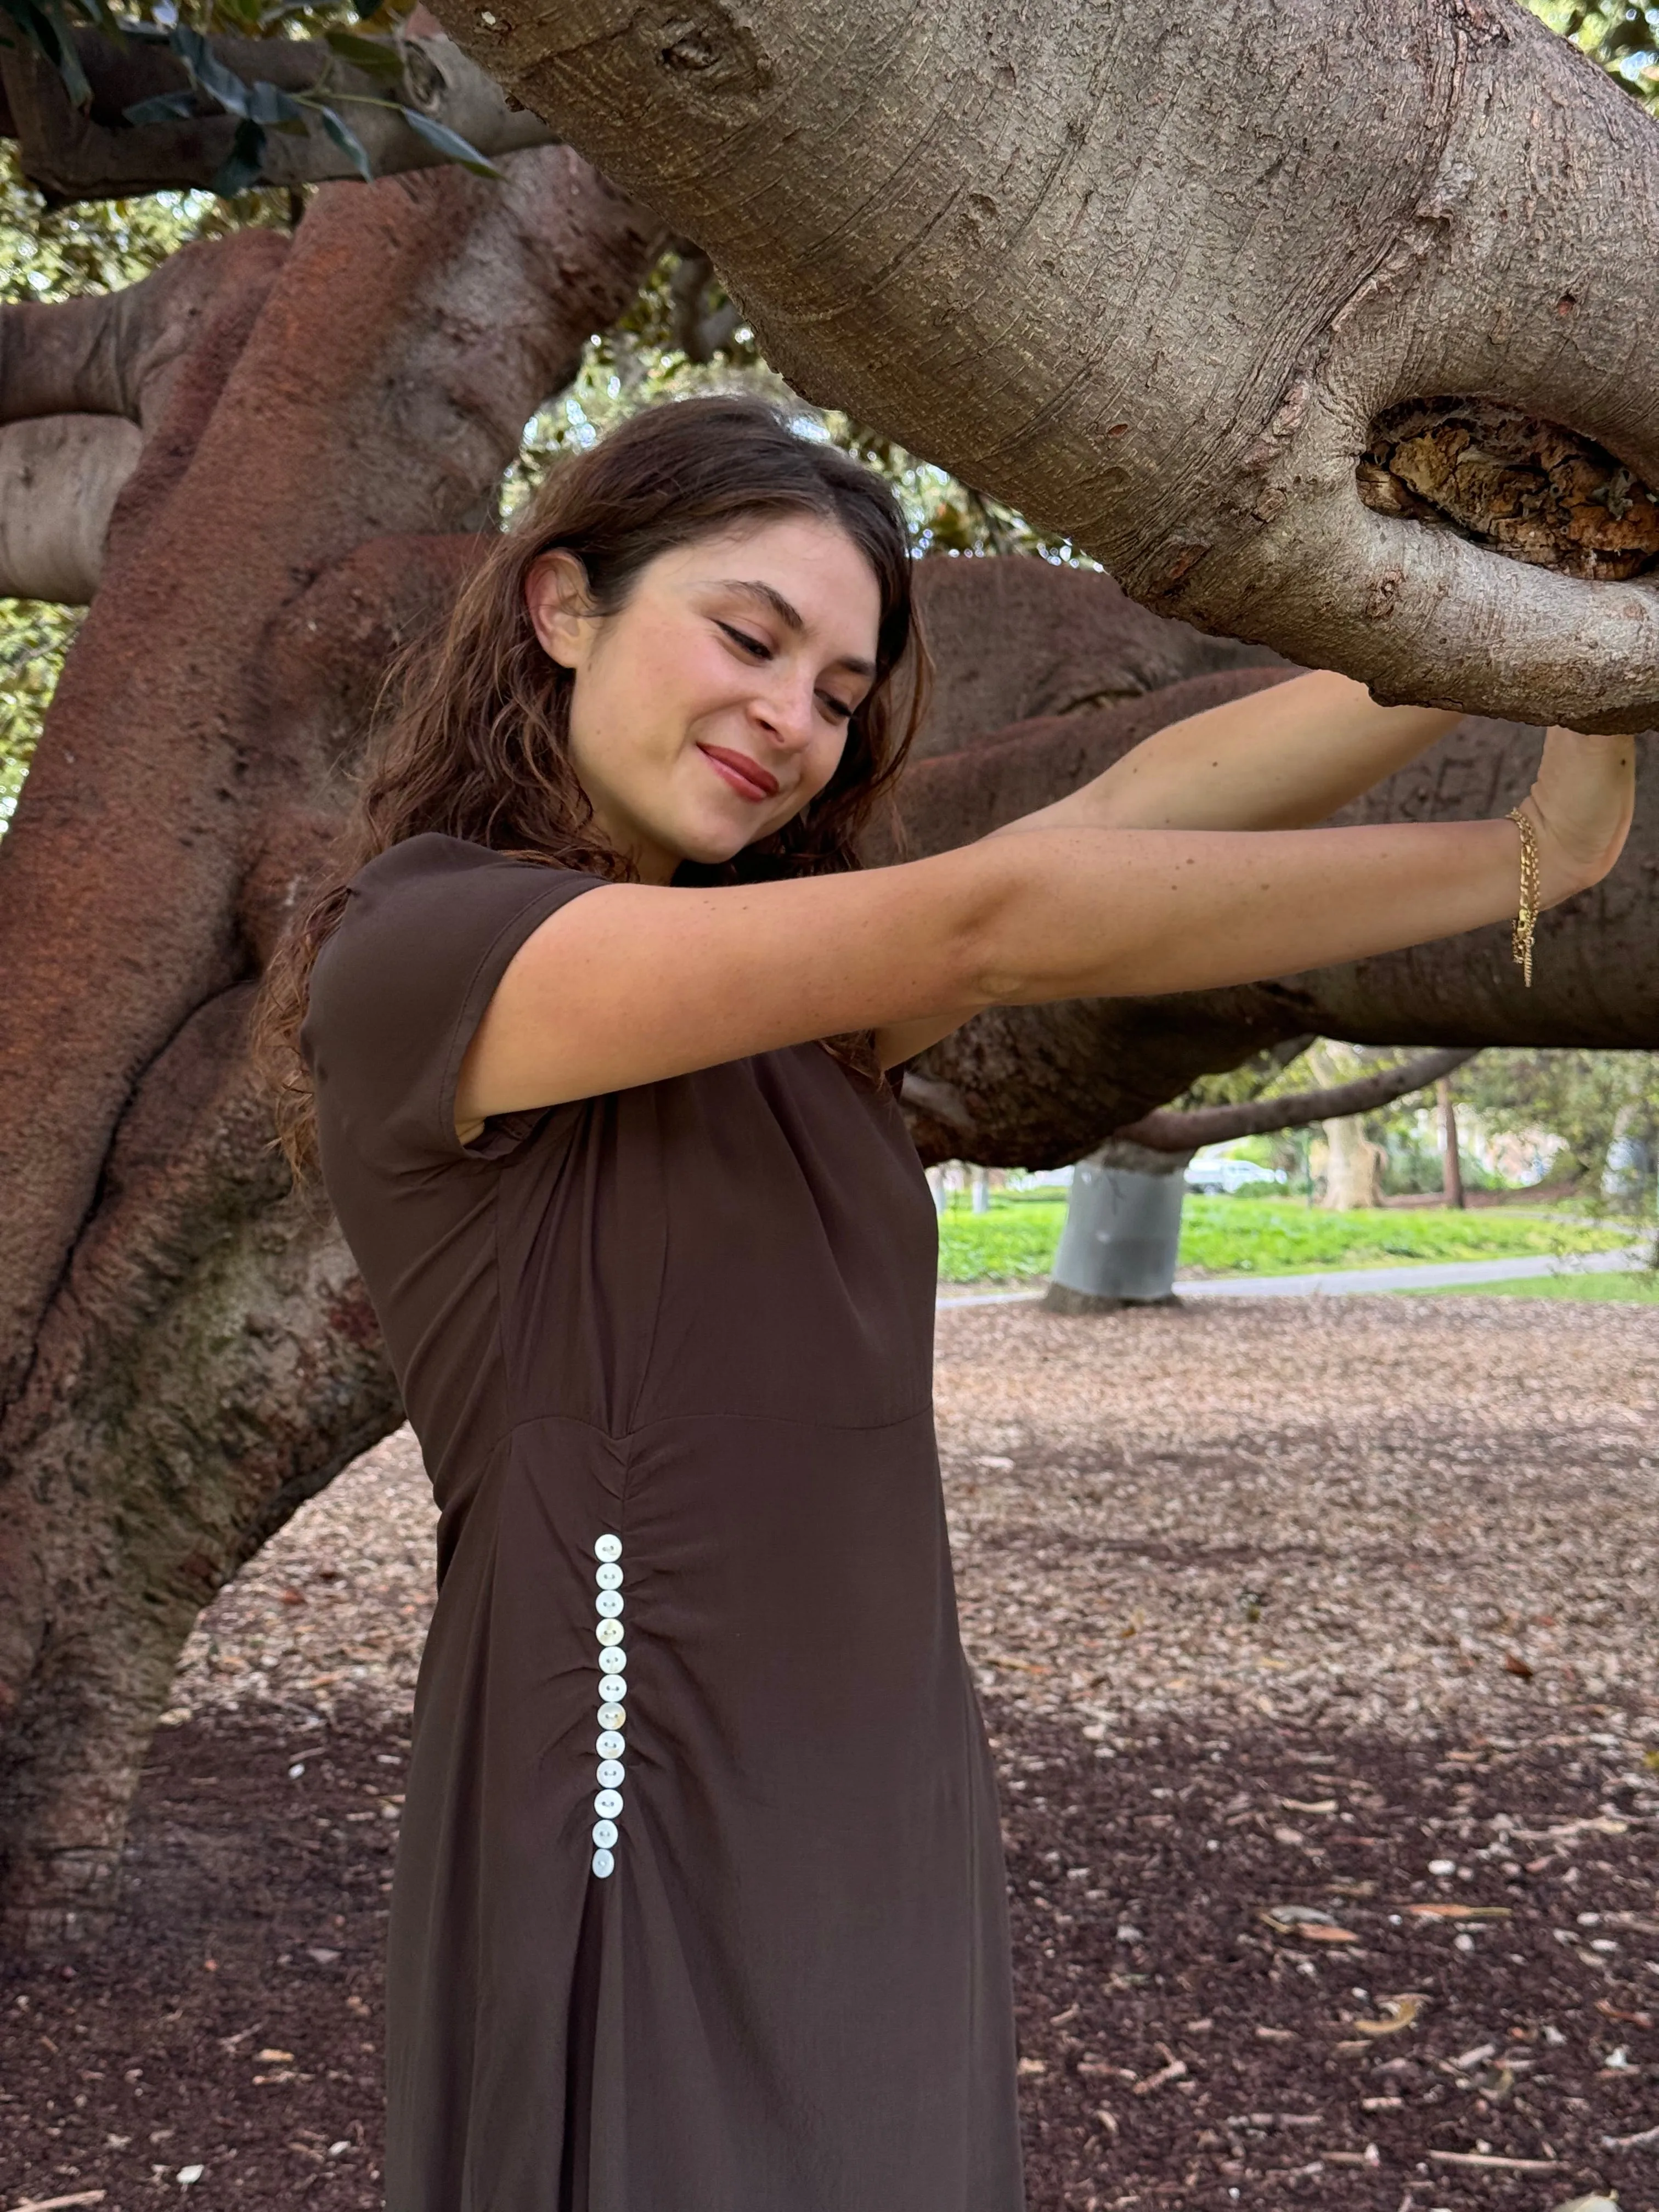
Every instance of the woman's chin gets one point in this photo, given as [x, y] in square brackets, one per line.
[712, 846]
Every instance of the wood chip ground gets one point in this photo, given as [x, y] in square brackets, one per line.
[1317, 1645]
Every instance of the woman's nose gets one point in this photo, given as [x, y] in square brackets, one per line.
[786, 713]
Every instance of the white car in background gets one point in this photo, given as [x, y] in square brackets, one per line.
[1218, 1177]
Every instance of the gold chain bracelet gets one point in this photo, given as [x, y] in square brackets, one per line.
[1526, 920]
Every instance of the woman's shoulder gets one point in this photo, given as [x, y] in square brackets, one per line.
[435, 854]
[435, 906]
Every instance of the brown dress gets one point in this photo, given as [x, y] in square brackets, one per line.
[759, 1963]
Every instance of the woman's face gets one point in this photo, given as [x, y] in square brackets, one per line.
[712, 706]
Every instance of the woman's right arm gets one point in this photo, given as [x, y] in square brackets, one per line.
[632, 982]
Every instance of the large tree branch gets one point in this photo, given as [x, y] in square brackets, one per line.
[119, 353]
[1171, 1130]
[75, 154]
[60, 476]
[1152, 279]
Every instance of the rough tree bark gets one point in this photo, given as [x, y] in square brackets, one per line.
[1153, 280]
[185, 1356]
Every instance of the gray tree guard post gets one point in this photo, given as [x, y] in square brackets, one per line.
[1122, 1230]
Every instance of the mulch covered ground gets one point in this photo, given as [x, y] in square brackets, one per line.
[1318, 1898]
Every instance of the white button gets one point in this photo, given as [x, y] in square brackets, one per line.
[614, 1660]
[609, 1745]
[608, 1604]
[605, 1834]
[608, 1548]
[609, 1577]
[610, 1774]
[614, 1716]
[608, 1804]
[611, 1631]
[612, 1687]
[602, 1863]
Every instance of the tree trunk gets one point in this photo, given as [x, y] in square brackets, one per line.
[1154, 279]
[1451, 1162]
[1353, 1167]
[1122, 1231]
[187, 1354]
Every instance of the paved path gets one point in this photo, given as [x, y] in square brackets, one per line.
[1344, 1282]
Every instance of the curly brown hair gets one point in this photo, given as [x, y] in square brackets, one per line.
[473, 736]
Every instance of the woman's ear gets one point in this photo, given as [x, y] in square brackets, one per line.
[560, 613]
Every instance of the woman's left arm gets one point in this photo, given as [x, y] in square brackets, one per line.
[1282, 758]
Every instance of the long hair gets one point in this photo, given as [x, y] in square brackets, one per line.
[472, 738]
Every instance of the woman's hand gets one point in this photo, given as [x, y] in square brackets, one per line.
[1580, 803]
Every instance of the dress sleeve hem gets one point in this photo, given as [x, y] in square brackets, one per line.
[502, 1133]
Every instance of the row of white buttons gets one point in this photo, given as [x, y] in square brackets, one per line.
[613, 1688]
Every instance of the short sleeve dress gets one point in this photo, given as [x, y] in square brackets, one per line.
[699, 1903]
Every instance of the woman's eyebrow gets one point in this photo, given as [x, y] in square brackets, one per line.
[788, 615]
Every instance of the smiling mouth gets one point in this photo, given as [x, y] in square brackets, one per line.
[745, 776]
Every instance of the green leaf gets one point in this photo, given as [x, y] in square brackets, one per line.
[46, 30]
[348, 142]
[376, 57]
[163, 108]
[269, 105]
[208, 71]
[449, 142]
[244, 165]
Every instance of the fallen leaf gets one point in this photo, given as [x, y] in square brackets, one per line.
[1302, 1805]
[1305, 1920]
[1631, 2018]
[1276, 2034]
[1289, 1836]
[1490, 2159]
[1459, 1912]
[1031, 2066]
[1397, 2013]
[1515, 1664]
[291, 1597]
[274, 2057]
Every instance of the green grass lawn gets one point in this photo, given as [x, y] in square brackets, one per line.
[1016, 1240]
[1639, 1288]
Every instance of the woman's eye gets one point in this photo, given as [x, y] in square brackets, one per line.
[838, 707]
[757, 645]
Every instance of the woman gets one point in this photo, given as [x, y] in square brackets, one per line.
[699, 1903]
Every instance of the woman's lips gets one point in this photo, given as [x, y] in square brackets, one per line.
[746, 777]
